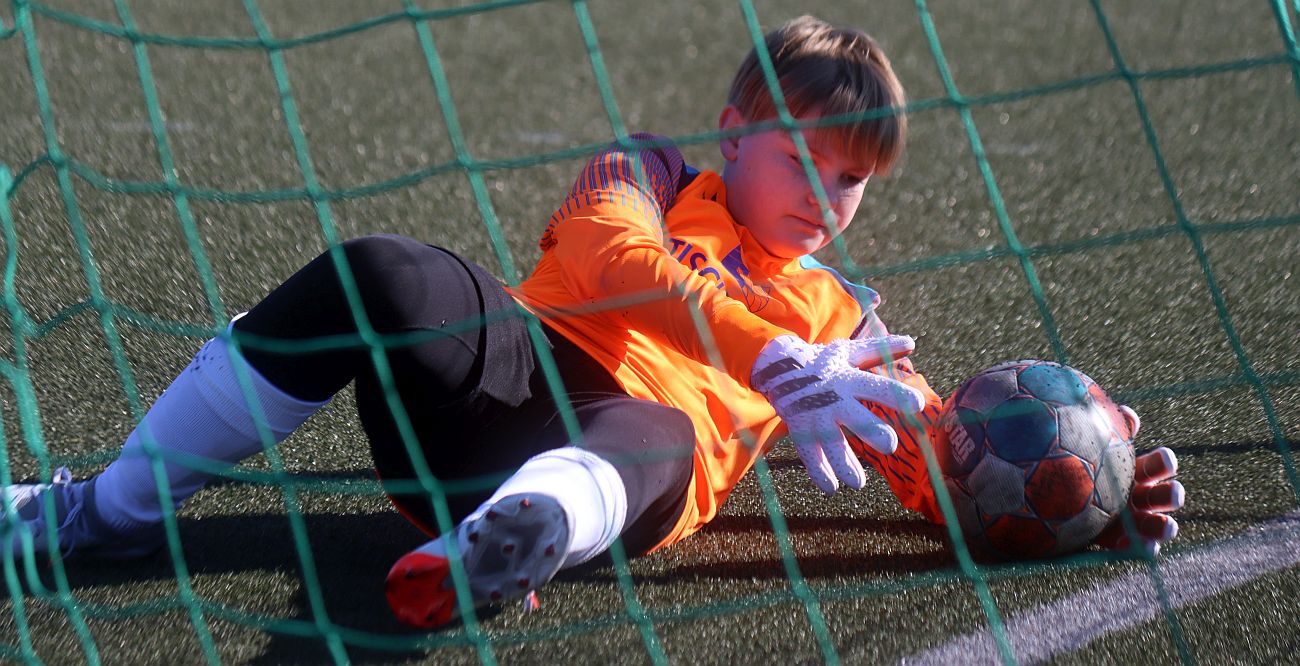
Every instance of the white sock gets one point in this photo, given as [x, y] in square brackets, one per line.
[203, 413]
[586, 486]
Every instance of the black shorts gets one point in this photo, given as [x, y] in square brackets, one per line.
[469, 380]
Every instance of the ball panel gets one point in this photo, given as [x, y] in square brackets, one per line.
[1021, 429]
[1115, 476]
[987, 390]
[1053, 383]
[998, 486]
[1020, 536]
[1059, 488]
[1083, 431]
[1016, 365]
[964, 505]
[961, 441]
[1080, 530]
[1114, 418]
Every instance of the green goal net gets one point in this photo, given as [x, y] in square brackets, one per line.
[156, 179]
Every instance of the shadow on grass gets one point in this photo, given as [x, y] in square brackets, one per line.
[758, 558]
[351, 555]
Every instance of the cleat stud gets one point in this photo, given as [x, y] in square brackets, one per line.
[525, 502]
[496, 595]
[508, 548]
[473, 537]
[523, 583]
[491, 515]
[550, 550]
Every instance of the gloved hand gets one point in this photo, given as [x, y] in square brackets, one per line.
[1155, 495]
[816, 389]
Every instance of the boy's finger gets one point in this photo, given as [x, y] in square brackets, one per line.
[1152, 528]
[888, 393]
[815, 462]
[1155, 466]
[874, 432]
[1131, 419]
[1161, 497]
[842, 459]
[869, 352]
[1157, 527]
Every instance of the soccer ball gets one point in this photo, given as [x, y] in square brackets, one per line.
[1036, 457]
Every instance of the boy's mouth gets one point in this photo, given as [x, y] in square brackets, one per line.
[812, 225]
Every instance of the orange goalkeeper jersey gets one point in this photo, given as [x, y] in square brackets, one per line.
[645, 270]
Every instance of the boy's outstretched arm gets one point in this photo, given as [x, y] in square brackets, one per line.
[609, 241]
[821, 390]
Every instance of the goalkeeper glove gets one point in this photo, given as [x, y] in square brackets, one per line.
[816, 389]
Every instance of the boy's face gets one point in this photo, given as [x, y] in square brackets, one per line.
[768, 191]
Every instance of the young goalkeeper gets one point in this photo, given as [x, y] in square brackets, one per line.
[690, 328]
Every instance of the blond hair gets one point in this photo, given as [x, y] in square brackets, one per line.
[829, 71]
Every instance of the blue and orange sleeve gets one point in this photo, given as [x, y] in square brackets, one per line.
[609, 240]
[905, 471]
[643, 181]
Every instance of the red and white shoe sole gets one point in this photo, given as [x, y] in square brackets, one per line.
[516, 546]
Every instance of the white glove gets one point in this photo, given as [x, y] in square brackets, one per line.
[816, 389]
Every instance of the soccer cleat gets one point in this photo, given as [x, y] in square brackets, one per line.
[516, 546]
[81, 531]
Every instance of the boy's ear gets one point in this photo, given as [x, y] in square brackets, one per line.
[730, 118]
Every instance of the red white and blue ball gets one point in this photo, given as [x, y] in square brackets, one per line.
[1036, 458]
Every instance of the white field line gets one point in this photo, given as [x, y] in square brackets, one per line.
[1071, 623]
